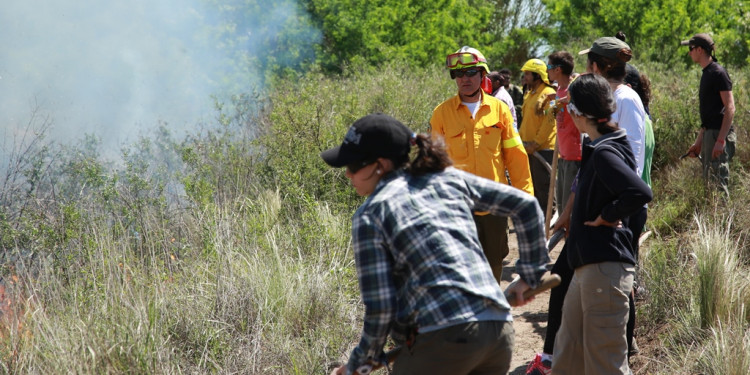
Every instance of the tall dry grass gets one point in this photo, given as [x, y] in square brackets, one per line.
[698, 299]
[249, 307]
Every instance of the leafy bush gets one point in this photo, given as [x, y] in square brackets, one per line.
[655, 28]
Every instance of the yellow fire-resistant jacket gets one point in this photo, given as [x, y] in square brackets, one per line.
[538, 126]
[486, 145]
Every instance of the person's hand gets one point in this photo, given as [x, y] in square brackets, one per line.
[530, 147]
[341, 370]
[694, 151]
[518, 288]
[562, 222]
[718, 148]
[599, 221]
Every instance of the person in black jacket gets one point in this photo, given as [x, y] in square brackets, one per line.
[591, 339]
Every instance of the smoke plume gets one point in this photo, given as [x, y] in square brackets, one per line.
[110, 68]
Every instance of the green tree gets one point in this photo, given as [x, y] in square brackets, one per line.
[262, 39]
[519, 30]
[414, 32]
[654, 28]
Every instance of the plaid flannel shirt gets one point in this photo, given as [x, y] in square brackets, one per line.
[418, 258]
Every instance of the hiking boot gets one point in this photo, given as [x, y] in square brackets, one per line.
[539, 366]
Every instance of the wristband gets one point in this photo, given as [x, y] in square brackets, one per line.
[722, 141]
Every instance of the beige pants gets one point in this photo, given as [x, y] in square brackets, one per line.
[591, 339]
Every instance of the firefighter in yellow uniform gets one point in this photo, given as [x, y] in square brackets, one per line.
[480, 138]
[538, 130]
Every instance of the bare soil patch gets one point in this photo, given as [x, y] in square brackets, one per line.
[530, 320]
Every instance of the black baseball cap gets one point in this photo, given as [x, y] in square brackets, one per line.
[374, 136]
[702, 40]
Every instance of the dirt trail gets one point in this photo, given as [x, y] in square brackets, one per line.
[530, 320]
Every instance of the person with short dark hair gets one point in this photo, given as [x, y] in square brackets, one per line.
[560, 66]
[715, 143]
[592, 336]
[423, 276]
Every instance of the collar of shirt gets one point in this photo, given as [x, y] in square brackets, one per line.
[457, 101]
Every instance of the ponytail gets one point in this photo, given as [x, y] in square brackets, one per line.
[431, 156]
[606, 127]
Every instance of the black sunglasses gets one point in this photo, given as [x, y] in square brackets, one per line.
[461, 73]
[692, 47]
[356, 166]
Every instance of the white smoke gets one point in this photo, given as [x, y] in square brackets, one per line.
[111, 68]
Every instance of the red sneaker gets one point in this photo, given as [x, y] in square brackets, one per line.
[539, 366]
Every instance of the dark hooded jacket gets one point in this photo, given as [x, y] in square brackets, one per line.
[608, 186]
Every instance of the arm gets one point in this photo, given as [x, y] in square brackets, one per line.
[516, 160]
[630, 192]
[528, 220]
[436, 124]
[695, 149]
[375, 274]
[633, 120]
[728, 99]
[563, 221]
[531, 144]
[547, 131]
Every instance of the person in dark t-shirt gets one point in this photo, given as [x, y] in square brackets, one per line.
[715, 143]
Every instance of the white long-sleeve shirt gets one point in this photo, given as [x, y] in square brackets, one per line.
[631, 116]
